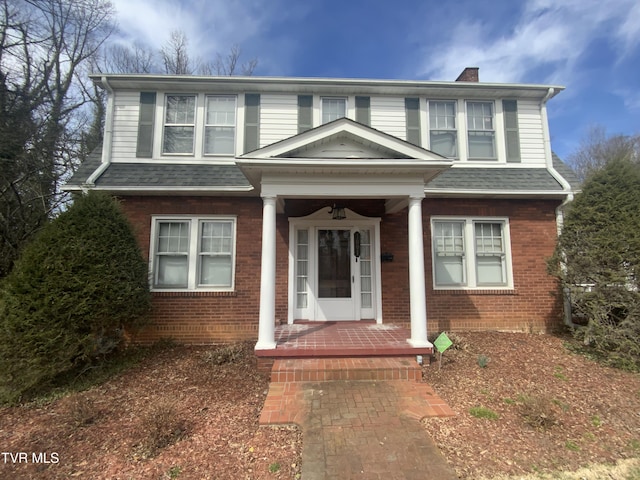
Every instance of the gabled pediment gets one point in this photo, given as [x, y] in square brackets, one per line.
[344, 139]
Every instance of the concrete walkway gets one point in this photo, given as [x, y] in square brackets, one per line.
[361, 429]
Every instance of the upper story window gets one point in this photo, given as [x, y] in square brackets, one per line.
[333, 108]
[442, 128]
[193, 253]
[471, 253]
[220, 125]
[179, 124]
[481, 130]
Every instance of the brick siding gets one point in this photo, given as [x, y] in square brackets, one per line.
[212, 317]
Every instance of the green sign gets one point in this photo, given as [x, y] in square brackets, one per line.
[442, 342]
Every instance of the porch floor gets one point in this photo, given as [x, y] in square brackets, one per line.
[342, 339]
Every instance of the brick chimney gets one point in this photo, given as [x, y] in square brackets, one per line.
[469, 74]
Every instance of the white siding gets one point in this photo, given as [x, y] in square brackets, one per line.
[278, 118]
[388, 115]
[125, 125]
[531, 132]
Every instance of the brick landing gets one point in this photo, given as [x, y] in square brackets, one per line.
[294, 382]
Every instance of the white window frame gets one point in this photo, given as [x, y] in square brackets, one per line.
[322, 108]
[194, 252]
[478, 125]
[224, 125]
[469, 255]
[437, 128]
[166, 124]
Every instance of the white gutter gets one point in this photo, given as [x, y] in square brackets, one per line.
[107, 140]
[549, 155]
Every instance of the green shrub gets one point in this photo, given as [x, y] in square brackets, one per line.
[598, 260]
[72, 293]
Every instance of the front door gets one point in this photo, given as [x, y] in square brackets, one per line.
[333, 270]
[336, 278]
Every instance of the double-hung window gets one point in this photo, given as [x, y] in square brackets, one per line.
[333, 108]
[481, 130]
[220, 125]
[193, 253]
[179, 124]
[442, 128]
[471, 253]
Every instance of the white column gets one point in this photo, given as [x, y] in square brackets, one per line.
[267, 319]
[417, 293]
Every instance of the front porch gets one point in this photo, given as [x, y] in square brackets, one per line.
[342, 339]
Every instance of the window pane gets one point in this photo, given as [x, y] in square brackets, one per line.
[180, 109]
[489, 238]
[215, 270]
[481, 145]
[333, 108]
[219, 140]
[178, 140]
[448, 237]
[221, 111]
[173, 237]
[444, 143]
[449, 270]
[490, 270]
[172, 271]
[216, 237]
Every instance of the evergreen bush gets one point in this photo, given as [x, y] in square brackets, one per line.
[597, 260]
[72, 293]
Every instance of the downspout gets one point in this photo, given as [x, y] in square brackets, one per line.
[107, 141]
[566, 187]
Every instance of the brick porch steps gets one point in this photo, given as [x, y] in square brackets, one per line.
[352, 368]
[294, 382]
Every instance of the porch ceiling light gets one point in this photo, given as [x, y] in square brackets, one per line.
[337, 212]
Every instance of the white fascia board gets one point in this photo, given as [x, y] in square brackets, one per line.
[452, 193]
[172, 190]
[329, 85]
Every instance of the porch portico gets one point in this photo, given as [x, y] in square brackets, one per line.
[338, 162]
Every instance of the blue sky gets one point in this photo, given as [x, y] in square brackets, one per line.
[592, 47]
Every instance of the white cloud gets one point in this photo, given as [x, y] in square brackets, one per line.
[210, 25]
[551, 35]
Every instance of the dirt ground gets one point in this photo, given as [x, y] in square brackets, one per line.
[554, 411]
[178, 415]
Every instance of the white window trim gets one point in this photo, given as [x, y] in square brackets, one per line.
[165, 124]
[205, 125]
[469, 256]
[194, 251]
[496, 154]
[456, 119]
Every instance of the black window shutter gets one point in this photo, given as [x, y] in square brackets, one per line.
[251, 122]
[144, 147]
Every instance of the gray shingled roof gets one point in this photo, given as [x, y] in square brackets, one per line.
[495, 179]
[171, 175]
[161, 175]
[567, 173]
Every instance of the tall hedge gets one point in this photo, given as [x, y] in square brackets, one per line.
[72, 292]
[598, 260]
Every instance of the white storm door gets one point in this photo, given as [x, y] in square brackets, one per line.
[335, 289]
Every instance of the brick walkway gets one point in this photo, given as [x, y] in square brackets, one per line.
[361, 429]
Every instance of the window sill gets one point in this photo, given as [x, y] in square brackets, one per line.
[193, 293]
[475, 291]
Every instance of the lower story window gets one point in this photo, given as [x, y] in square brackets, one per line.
[194, 253]
[471, 253]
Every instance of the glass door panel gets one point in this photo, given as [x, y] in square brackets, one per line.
[334, 263]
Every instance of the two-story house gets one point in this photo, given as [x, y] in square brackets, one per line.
[265, 201]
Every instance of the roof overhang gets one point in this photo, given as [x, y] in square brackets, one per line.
[332, 86]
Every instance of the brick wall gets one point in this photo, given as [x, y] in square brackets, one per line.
[206, 317]
[533, 304]
[209, 317]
